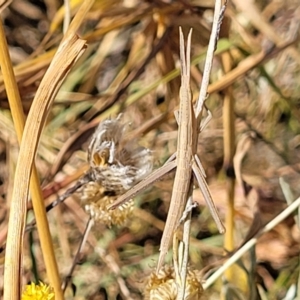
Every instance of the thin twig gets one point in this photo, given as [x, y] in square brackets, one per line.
[237, 255]
[186, 243]
[218, 17]
[69, 192]
[87, 230]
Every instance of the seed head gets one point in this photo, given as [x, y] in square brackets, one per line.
[115, 164]
[96, 200]
[163, 286]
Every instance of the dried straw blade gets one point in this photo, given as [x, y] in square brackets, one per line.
[66, 56]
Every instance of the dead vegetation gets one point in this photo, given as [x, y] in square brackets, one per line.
[249, 150]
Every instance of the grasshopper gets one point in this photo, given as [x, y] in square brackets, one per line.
[185, 160]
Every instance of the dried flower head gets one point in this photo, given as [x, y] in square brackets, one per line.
[40, 291]
[115, 164]
[115, 167]
[96, 200]
[163, 286]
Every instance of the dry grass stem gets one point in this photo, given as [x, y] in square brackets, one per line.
[19, 121]
[240, 252]
[67, 54]
[134, 66]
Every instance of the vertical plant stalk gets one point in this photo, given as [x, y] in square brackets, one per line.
[68, 53]
[235, 274]
[218, 17]
[70, 49]
[186, 243]
[229, 150]
[35, 190]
